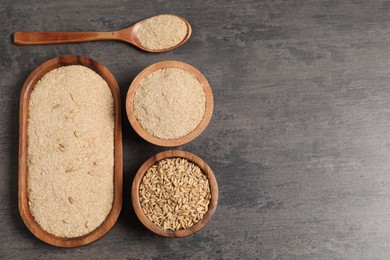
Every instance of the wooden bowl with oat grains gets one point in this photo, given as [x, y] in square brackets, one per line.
[174, 193]
[169, 103]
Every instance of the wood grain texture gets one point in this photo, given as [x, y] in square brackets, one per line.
[169, 142]
[24, 209]
[128, 35]
[135, 197]
[34, 38]
[299, 140]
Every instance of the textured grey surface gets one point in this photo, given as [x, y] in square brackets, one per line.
[299, 140]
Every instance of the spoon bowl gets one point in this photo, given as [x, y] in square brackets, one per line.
[128, 35]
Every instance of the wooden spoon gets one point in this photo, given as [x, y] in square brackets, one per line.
[127, 35]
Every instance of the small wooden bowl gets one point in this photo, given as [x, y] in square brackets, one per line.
[169, 142]
[24, 209]
[135, 197]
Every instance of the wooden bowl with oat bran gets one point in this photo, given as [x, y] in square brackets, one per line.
[169, 103]
[70, 174]
[174, 193]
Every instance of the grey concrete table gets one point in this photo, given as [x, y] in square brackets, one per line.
[299, 140]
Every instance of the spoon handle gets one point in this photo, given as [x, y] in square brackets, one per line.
[32, 38]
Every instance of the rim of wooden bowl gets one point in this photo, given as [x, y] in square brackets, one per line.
[24, 209]
[137, 182]
[181, 140]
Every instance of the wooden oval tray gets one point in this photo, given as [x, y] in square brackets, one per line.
[24, 210]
